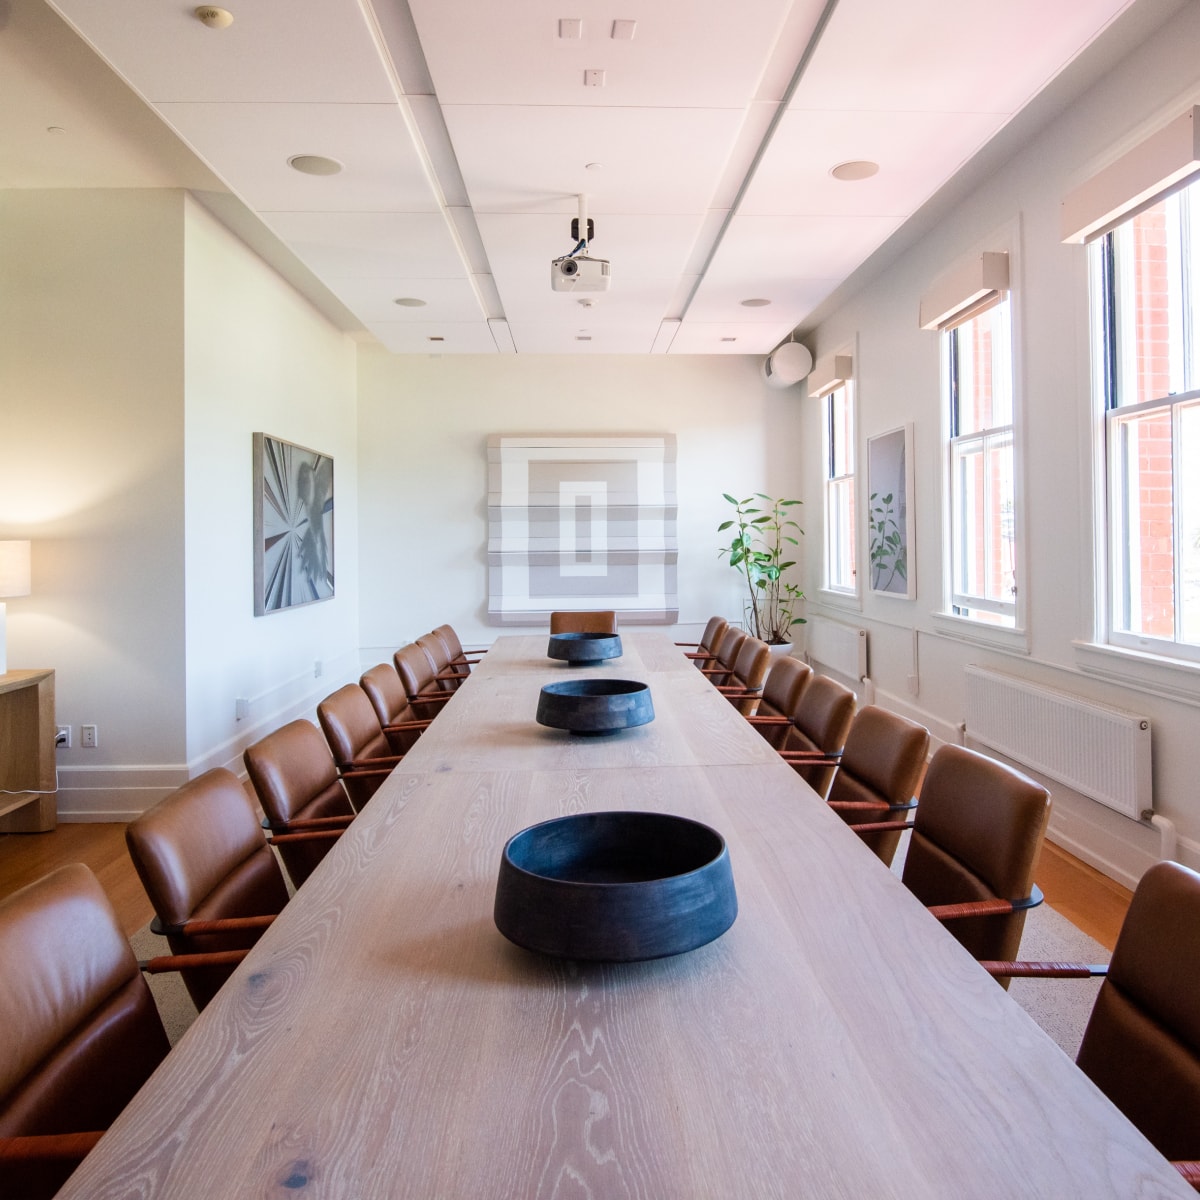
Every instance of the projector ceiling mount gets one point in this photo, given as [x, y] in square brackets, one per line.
[576, 271]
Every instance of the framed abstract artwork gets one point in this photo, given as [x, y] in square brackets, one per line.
[582, 523]
[890, 513]
[293, 525]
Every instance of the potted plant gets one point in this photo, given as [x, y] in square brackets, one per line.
[756, 550]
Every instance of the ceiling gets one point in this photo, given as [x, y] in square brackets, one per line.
[466, 131]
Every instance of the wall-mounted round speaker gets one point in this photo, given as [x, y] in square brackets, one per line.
[786, 364]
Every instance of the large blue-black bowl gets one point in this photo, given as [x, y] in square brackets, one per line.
[583, 649]
[615, 886]
[595, 706]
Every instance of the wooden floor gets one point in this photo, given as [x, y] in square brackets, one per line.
[1083, 895]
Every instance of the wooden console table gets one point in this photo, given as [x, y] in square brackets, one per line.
[27, 752]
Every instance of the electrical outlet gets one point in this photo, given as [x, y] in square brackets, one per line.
[87, 737]
[318, 669]
[62, 737]
[241, 708]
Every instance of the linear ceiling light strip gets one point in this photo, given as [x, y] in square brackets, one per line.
[801, 67]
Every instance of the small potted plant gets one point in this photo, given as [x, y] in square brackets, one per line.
[756, 550]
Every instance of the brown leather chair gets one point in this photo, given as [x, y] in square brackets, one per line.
[208, 870]
[819, 728]
[454, 648]
[449, 675]
[299, 788]
[704, 652]
[583, 622]
[386, 694]
[878, 773]
[727, 651]
[745, 685]
[79, 1033]
[357, 741]
[1141, 1046]
[975, 842]
[781, 693]
[419, 680]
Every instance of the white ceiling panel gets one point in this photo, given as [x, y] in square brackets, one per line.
[371, 245]
[374, 300]
[911, 148]
[938, 56]
[461, 191]
[249, 145]
[534, 160]
[275, 50]
[689, 53]
[699, 337]
[446, 337]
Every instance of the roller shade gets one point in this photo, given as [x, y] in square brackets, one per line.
[970, 287]
[830, 373]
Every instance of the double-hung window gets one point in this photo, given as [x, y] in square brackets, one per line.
[1146, 282]
[839, 488]
[982, 583]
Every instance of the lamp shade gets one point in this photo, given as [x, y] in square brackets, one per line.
[15, 570]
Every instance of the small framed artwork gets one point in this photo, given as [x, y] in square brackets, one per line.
[890, 513]
[293, 525]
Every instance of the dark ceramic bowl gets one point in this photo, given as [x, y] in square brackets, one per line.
[580, 649]
[615, 886]
[595, 706]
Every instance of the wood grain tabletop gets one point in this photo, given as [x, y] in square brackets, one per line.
[384, 1040]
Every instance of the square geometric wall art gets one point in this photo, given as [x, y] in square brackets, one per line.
[293, 525]
[582, 523]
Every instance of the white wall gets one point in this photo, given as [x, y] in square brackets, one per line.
[91, 469]
[259, 358]
[424, 424]
[898, 381]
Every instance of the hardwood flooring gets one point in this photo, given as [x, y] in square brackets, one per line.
[1083, 895]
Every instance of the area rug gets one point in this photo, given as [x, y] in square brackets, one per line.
[174, 1004]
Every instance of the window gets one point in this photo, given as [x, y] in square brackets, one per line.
[982, 582]
[1146, 279]
[839, 489]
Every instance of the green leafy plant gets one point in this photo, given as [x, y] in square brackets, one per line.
[889, 558]
[756, 551]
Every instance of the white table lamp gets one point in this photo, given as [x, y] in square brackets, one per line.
[15, 580]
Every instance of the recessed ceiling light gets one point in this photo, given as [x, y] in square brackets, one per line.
[55, 129]
[756, 303]
[729, 339]
[436, 339]
[855, 169]
[214, 18]
[409, 302]
[593, 166]
[583, 337]
[314, 164]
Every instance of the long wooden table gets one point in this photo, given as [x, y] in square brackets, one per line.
[384, 1040]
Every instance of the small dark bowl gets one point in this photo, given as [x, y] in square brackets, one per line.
[615, 886]
[595, 706]
[582, 649]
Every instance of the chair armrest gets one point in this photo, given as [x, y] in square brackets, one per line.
[871, 806]
[730, 689]
[687, 643]
[1190, 1171]
[363, 764]
[313, 835]
[454, 673]
[182, 962]
[883, 827]
[402, 726]
[32, 1150]
[832, 758]
[278, 827]
[983, 908]
[763, 719]
[220, 925]
[1044, 970]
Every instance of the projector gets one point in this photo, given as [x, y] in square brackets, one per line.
[581, 274]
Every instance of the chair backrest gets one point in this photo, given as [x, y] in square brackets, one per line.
[201, 855]
[1142, 1042]
[714, 631]
[781, 692]
[386, 693]
[352, 729]
[583, 622]
[881, 765]
[977, 835]
[454, 648]
[732, 640]
[416, 671]
[79, 1033]
[439, 659]
[750, 672]
[295, 777]
[820, 722]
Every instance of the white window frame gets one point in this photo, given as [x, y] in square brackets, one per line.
[840, 531]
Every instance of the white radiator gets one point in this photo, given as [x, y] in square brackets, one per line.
[838, 647]
[1099, 751]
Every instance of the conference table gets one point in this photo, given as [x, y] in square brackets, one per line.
[385, 1040]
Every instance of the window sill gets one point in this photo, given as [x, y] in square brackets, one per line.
[829, 598]
[998, 637]
[1153, 672]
